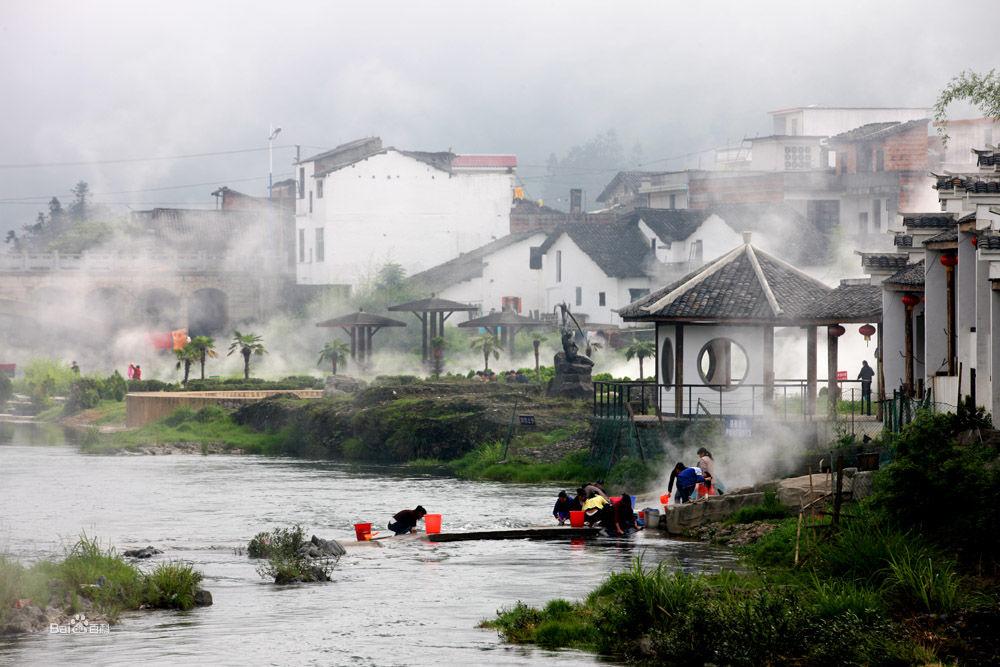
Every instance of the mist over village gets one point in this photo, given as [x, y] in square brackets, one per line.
[543, 333]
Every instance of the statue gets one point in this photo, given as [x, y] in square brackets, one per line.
[572, 369]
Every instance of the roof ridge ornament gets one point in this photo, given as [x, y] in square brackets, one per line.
[761, 278]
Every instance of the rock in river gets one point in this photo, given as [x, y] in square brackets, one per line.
[146, 552]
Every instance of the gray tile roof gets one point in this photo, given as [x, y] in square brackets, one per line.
[619, 248]
[928, 220]
[903, 241]
[884, 262]
[630, 179]
[847, 303]
[464, 267]
[730, 289]
[361, 319]
[877, 131]
[988, 241]
[669, 224]
[947, 236]
[989, 157]
[912, 275]
[973, 184]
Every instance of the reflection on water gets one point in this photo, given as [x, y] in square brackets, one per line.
[406, 603]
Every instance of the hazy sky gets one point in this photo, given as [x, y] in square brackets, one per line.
[109, 80]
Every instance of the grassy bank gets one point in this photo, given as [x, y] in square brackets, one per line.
[93, 580]
[906, 578]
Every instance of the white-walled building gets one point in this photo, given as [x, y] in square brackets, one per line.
[360, 206]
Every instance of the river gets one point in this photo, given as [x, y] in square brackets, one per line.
[408, 603]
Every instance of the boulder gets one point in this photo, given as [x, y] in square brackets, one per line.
[328, 548]
[572, 378]
[24, 620]
[202, 598]
[342, 384]
[145, 552]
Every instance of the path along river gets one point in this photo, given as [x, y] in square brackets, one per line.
[409, 603]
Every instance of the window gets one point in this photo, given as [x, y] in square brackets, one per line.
[877, 215]
[863, 222]
[302, 245]
[722, 363]
[864, 160]
[666, 362]
[798, 157]
[841, 162]
[602, 299]
[319, 188]
[310, 201]
[579, 296]
[823, 214]
[302, 182]
[673, 201]
[320, 249]
[792, 126]
[535, 258]
[879, 160]
[511, 303]
[636, 293]
[697, 252]
[558, 266]
[652, 244]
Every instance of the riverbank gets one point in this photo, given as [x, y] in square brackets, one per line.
[904, 578]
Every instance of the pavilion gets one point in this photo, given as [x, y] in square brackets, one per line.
[361, 327]
[504, 325]
[432, 314]
[727, 311]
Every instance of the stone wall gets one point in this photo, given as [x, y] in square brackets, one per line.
[143, 408]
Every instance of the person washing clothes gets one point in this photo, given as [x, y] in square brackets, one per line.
[687, 479]
[406, 520]
[564, 505]
[707, 464]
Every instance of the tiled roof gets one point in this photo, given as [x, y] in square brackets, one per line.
[433, 304]
[928, 220]
[968, 217]
[484, 161]
[466, 266]
[848, 303]
[884, 262]
[877, 131]
[903, 241]
[972, 184]
[989, 157]
[988, 242]
[531, 207]
[619, 248]
[630, 179]
[745, 284]
[361, 319]
[910, 275]
[439, 160]
[947, 236]
[669, 224]
[503, 318]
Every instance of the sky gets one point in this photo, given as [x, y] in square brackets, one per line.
[124, 80]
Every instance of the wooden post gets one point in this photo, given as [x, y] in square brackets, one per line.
[368, 343]
[881, 375]
[838, 497]
[908, 352]
[768, 365]
[679, 371]
[831, 373]
[423, 331]
[354, 343]
[359, 333]
[810, 402]
[949, 278]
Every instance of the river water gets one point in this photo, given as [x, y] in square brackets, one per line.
[404, 603]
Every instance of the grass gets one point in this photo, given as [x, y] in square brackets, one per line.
[99, 575]
[770, 508]
[283, 561]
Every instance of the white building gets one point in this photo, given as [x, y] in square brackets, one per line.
[361, 205]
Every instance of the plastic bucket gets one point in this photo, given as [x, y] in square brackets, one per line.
[665, 499]
[363, 531]
[576, 518]
[432, 523]
[633, 501]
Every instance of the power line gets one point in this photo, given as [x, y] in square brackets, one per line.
[44, 198]
[81, 163]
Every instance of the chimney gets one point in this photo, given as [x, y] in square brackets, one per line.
[575, 202]
[746, 237]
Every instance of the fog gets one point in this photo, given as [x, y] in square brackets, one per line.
[116, 80]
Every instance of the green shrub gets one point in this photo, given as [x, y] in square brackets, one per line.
[924, 580]
[770, 508]
[179, 416]
[211, 413]
[285, 563]
[151, 385]
[277, 542]
[84, 393]
[113, 388]
[44, 378]
[6, 389]
[172, 586]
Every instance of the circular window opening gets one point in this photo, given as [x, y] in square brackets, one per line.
[723, 364]
[666, 362]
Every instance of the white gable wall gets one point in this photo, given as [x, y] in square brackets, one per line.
[391, 207]
[506, 272]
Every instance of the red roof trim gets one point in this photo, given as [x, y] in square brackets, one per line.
[484, 161]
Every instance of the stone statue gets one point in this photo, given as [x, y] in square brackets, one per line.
[572, 369]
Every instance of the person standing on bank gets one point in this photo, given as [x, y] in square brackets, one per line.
[866, 375]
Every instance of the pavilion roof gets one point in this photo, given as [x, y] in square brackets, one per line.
[847, 303]
[745, 285]
[433, 304]
[504, 318]
[361, 319]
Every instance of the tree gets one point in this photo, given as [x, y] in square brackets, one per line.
[486, 344]
[78, 209]
[186, 356]
[55, 211]
[640, 349]
[589, 166]
[247, 345]
[334, 352]
[982, 90]
[205, 345]
[536, 342]
[437, 355]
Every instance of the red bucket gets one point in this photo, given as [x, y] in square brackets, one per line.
[363, 531]
[576, 518]
[665, 499]
[432, 523]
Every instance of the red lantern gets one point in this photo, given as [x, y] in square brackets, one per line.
[835, 331]
[949, 259]
[867, 331]
[975, 241]
[910, 300]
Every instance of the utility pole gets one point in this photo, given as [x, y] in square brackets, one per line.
[275, 131]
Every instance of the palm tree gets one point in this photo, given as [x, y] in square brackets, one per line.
[536, 342]
[640, 349]
[205, 345]
[246, 344]
[333, 352]
[486, 344]
[186, 356]
[437, 355]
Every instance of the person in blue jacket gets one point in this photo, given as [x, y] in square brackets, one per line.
[687, 479]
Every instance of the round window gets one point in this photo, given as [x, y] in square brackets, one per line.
[666, 362]
[722, 363]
